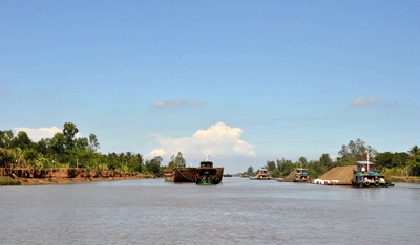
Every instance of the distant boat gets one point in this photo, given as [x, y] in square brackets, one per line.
[227, 175]
[262, 175]
[301, 176]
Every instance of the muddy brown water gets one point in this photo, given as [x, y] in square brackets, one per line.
[238, 211]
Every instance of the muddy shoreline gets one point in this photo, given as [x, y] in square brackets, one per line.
[67, 175]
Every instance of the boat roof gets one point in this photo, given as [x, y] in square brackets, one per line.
[365, 162]
[300, 169]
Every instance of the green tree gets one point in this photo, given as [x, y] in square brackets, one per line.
[344, 152]
[316, 169]
[70, 130]
[303, 161]
[153, 165]
[177, 161]
[250, 171]
[6, 138]
[413, 164]
[81, 143]
[7, 157]
[94, 142]
[285, 166]
[326, 160]
[414, 151]
[22, 141]
[356, 148]
[138, 166]
[43, 146]
[113, 161]
[399, 159]
[58, 143]
[30, 155]
[384, 160]
[271, 166]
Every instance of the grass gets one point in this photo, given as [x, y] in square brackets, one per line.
[9, 181]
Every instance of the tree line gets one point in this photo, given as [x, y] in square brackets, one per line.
[64, 150]
[402, 162]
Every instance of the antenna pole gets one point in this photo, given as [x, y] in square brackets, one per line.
[368, 165]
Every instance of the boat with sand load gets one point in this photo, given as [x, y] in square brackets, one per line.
[262, 175]
[367, 176]
[205, 174]
[301, 176]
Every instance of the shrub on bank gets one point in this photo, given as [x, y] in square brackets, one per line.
[9, 181]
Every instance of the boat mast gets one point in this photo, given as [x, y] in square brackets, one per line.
[301, 171]
[367, 158]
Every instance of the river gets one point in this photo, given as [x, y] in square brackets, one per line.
[237, 211]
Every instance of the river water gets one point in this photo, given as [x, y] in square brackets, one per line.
[237, 211]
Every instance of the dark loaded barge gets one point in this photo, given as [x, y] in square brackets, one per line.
[206, 174]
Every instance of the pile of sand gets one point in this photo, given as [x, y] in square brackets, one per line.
[289, 177]
[342, 174]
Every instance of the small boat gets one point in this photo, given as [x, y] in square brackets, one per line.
[262, 175]
[301, 176]
[207, 175]
[227, 175]
[367, 176]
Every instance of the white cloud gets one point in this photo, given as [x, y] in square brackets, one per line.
[156, 152]
[244, 148]
[363, 101]
[219, 140]
[178, 102]
[39, 133]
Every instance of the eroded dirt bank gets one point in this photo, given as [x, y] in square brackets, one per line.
[66, 175]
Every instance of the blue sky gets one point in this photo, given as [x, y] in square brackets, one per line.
[248, 81]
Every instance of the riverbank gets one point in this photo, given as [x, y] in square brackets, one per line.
[404, 179]
[66, 175]
[344, 175]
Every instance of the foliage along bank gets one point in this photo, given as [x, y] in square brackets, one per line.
[64, 150]
[403, 163]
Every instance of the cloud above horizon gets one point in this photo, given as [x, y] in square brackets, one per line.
[178, 102]
[363, 101]
[36, 134]
[219, 141]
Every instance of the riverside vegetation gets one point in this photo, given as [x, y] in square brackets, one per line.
[397, 167]
[65, 151]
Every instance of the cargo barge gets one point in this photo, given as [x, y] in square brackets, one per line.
[205, 174]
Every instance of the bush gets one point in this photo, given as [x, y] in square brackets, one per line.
[9, 181]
